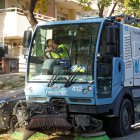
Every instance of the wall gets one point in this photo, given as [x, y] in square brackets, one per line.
[22, 24]
[11, 3]
[10, 24]
[51, 9]
[2, 16]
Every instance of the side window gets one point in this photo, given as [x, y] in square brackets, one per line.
[2, 4]
[108, 47]
[37, 53]
[40, 43]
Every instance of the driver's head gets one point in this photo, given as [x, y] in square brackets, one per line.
[51, 44]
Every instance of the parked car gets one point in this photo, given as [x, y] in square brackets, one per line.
[11, 91]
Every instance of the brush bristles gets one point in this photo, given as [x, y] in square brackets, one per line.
[49, 124]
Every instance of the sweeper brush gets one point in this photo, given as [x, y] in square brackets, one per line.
[50, 123]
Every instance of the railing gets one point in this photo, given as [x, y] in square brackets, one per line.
[76, 1]
[19, 11]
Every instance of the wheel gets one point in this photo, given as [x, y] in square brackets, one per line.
[123, 123]
[120, 126]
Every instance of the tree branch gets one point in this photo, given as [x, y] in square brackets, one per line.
[22, 4]
[114, 6]
[28, 11]
[101, 11]
[32, 5]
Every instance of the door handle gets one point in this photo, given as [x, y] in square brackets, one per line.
[119, 67]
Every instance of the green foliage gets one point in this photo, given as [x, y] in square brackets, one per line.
[101, 4]
[137, 25]
[41, 6]
[133, 7]
[135, 4]
[86, 4]
[105, 3]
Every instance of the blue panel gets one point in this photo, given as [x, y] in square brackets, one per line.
[88, 20]
[76, 91]
[115, 91]
[79, 91]
[118, 71]
[117, 76]
[121, 40]
[95, 60]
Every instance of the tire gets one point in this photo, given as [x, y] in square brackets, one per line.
[120, 126]
[123, 123]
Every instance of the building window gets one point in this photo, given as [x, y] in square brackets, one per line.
[2, 4]
[62, 16]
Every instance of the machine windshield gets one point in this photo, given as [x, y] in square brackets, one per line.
[63, 53]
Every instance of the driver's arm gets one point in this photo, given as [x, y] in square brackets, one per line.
[59, 50]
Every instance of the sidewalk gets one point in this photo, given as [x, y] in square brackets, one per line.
[12, 81]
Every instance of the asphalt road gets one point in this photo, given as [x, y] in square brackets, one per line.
[135, 134]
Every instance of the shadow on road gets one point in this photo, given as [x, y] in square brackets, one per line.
[135, 134]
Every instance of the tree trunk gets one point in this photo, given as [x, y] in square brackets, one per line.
[32, 20]
[113, 8]
[101, 10]
[28, 11]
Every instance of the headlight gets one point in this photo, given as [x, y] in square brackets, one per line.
[3, 103]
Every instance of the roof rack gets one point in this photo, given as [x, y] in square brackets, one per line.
[126, 19]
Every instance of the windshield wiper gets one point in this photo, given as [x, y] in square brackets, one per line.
[51, 82]
[70, 79]
[63, 64]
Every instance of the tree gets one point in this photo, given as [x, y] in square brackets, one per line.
[133, 7]
[101, 4]
[28, 10]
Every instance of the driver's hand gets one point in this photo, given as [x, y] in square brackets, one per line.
[47, 54]
[48, 49]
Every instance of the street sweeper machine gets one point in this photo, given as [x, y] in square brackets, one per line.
[81, 71]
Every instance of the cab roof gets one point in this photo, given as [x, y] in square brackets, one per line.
[84, 20]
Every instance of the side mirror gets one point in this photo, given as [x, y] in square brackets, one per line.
[27, 38]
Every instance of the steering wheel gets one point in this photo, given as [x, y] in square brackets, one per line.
[48, 54]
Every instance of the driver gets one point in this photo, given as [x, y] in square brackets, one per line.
[55, 50]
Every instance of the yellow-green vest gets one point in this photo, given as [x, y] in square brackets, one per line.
[62, 55]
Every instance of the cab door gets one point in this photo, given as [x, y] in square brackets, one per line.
[107, 51]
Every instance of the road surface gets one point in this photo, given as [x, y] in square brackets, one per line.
[135, 134]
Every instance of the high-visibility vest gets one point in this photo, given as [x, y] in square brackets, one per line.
[78, 68]
[61, 55]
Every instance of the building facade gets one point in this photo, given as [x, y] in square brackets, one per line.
[13, 23]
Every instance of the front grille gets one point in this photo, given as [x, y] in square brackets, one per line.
[80, 100]
[38, 98]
